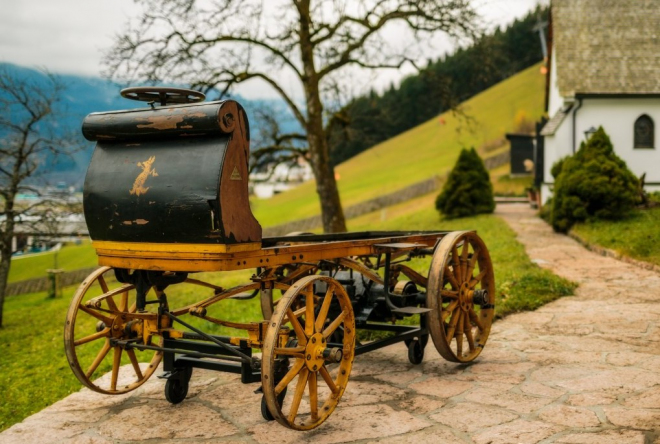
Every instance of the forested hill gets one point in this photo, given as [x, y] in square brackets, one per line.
[443, 84]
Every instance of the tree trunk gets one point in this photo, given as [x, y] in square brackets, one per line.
[332, 213]
[6, 238]
[5, 262]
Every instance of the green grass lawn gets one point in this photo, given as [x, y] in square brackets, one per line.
[637, 236]
[505, 185]
[422, 152]
[70, 257]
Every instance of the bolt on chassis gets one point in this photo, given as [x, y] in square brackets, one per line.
[166, 196]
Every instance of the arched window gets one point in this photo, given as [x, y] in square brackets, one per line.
[644, 132]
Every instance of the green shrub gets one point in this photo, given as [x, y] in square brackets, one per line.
[468, 190]
[594, 183]
[557, 166]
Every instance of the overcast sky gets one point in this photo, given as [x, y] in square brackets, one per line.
[68, 36]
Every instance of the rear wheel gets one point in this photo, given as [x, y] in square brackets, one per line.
[102, 312]
[461, 296]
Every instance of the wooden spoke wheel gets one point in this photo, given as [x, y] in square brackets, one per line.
[317, 374]
[102, 310]
[461, 296]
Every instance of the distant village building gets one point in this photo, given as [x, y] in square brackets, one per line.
[604, 71]
[270, 181]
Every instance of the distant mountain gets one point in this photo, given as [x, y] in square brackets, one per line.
[85, 95]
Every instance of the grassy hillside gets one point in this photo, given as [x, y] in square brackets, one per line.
[426, 150]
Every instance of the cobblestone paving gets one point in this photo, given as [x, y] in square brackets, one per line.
[583, 369]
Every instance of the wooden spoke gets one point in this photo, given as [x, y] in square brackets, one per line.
[454, 324]
[296, 313]
[449, 310]
[309, 313]
[333, 326]
[300, 333]
[116, 363]
[97, 315]
[323, 314]
[475, 320]
[452, 280]
[452, 319]
[313, 396]
[104, 286]
[297, 397]
[468, 334]
[308, 354]
[93, 337]
[97, 361]
[111, 304]
[135, 363]
[472, 263]
[328, 380]
[293, 371]
[124, 301]
[82, 334]
[464, 260]
[290, 351]
[456, 264]
[478, 278]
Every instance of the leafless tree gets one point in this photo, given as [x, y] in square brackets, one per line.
[217, 44]
[26, 138]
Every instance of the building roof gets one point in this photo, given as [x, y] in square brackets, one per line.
[606, 46]
[551, 126]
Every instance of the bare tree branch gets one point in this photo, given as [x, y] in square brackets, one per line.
[218, 44]
[27, 107]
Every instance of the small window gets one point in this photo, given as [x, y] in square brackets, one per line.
[644, 132]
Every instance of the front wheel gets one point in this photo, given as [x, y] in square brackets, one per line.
[316, 373]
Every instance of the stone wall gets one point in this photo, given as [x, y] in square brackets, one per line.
[43, 284]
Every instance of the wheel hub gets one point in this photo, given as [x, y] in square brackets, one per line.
[314, 358]
[465, 297]
[117, 328]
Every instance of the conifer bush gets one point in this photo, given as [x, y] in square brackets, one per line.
[594, 183]
[468, 190]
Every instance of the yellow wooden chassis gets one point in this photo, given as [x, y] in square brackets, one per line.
[205, 257]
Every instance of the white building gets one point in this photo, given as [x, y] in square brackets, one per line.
[274, 180]
[604, 71]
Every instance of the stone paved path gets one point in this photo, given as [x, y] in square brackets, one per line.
[584, 369]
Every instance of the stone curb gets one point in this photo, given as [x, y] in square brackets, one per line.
[607, 252]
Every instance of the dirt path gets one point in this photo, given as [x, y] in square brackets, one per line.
[584, 369]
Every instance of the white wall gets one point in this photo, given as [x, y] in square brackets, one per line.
[617, 117]
[555, 101]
